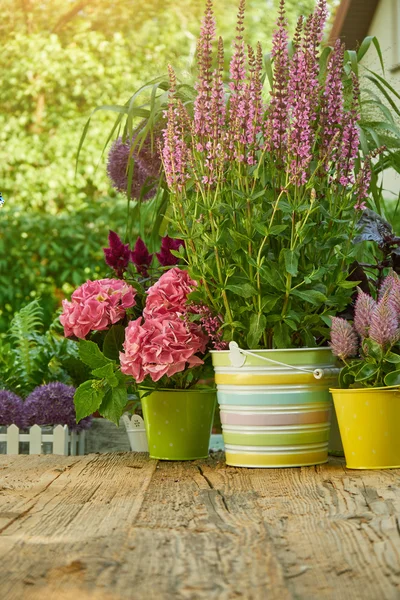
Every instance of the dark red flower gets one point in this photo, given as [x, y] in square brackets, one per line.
[141, 257]
[165, 257]
[117, 256]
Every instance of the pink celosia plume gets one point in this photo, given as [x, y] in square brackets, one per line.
[384, 328]
[344, 341]
[363, 310]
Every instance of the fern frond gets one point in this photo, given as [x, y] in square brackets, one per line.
[25, 326]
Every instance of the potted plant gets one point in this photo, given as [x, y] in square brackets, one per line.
[266, 196]
[367, 400]
[141, 334]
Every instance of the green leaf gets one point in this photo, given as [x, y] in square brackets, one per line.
[391, 357]
[91, 355]
[113, 342]
[113, 404]
[244, 291]
[346, 376]
[87, 399]
[348, 285]
[312, 296]
[291, 259]
[281, 335]
[372, 348]
[277, 229]
[392, 378]
[367, 371]
[104, 372]
[257, 327]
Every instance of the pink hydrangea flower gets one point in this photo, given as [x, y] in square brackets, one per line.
[95, 306]
[169, 294]
[161, 346]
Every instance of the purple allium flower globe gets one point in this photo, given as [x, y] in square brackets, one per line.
[11, 409]
[53, 404]
[146, 166]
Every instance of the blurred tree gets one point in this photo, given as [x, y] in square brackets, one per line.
[62, 58]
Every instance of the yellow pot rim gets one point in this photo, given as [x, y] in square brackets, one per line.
[387, 388]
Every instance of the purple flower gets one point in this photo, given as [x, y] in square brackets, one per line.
[146, 166]
[364, 308]
[211, 325]
[53, 404]
[117, 256]
[11, 409]
[350, 140]
[174, 151]
[391, 287]
[384, 328]
[278, 112]
[344, 341]
[202, 103]
[165, 258]
[237, 100]
[331, 116]
[141, 257]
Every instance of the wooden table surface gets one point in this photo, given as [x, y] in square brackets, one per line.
[116, 526]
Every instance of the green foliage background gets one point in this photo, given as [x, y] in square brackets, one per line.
[59, 60]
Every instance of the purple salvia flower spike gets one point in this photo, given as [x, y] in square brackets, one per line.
[363, 310]
[350, 139]
[276, 134]
[237, 100]
[344, 341]
[174, 151]
[331, 115]
[202, 103]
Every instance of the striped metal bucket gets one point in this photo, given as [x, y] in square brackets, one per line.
[275, 405]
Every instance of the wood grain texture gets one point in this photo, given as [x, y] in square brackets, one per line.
[118, 526]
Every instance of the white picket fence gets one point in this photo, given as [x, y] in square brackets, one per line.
[63, 441]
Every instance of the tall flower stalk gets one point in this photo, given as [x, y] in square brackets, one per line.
[263, 185]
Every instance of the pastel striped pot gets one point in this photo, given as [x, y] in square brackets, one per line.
[275, 415]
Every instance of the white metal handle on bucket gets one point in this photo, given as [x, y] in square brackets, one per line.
[237, 356]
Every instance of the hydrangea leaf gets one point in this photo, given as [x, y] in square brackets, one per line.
[88, 398]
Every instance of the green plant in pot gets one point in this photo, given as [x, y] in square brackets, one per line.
[140, 334]
[367, 401]
[266, 196]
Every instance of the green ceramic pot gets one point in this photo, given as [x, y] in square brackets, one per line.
[178, 423]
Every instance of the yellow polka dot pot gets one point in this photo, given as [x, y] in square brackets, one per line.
[178, 423]
[369, 420]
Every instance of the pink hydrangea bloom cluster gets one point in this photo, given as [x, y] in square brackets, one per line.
[95, 306]
[164, 342]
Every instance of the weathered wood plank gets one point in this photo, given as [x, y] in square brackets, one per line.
[119, 526]
[336, 531]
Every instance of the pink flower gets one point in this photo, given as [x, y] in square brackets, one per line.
[344, 341]
[95, 306]
[364, 308]
[384, 328]
[169, 295]
[158, 347]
